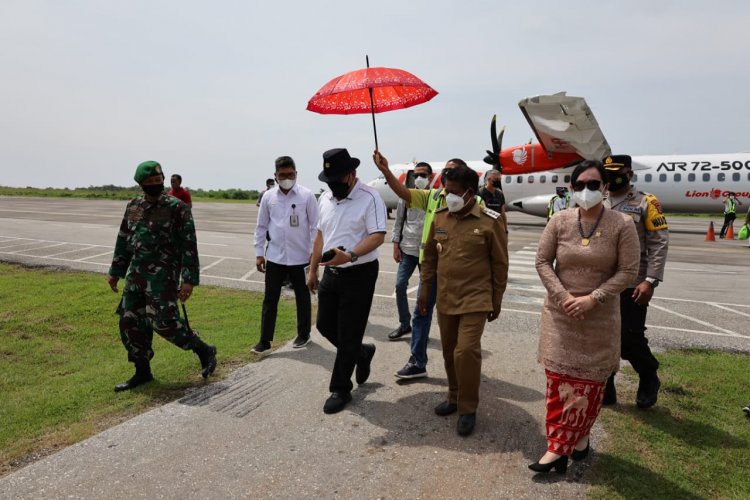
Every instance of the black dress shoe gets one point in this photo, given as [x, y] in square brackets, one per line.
[610, 393]
[399, 332]
[135, 381]
[581, 454]
[336, 402]
[648, 391]
[446, 408]
[560, 465]
[466, 424]
[363, 365]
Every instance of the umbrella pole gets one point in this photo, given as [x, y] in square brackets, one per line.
[372, 108]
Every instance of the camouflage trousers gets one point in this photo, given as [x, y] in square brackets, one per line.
[150, 305]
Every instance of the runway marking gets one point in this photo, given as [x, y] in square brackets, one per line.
[693, 270]
[728, 309]
[247, 275]
[696, 320]
[88, 247]
[213, 244]
[213, 264]
[83, 259]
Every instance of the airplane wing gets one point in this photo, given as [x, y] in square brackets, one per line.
[565, 124]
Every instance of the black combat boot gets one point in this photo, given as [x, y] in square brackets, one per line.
[207, 354]
[648, 391]
[142, 375]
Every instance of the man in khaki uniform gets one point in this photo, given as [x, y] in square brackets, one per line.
[467, 249]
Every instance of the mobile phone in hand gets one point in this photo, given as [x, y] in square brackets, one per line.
[329, 254]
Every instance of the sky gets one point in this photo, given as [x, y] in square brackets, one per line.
[215, 91]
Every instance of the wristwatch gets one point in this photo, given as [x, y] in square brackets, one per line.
[353, 255]
[654, 282]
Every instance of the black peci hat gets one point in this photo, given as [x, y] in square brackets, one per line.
[336, 164]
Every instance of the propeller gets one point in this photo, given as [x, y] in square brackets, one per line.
[493, 157]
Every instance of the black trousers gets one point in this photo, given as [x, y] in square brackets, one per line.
[344, 300]
[728, 219]
[275, 275]
[633, 341]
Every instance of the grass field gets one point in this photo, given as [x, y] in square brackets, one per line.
[694, 444]
[61, 355]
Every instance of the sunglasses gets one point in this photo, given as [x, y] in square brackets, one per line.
[592, 185]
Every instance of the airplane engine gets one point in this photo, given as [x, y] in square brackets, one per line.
[533, 205]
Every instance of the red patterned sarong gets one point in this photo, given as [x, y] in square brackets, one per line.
[572, 407]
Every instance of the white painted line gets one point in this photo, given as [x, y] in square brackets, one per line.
[520, 276]
[16, 244]
[696, 320]
[524, 252]
[83, 259]
[88, 247]
[39, 248]
[702, 332]
[247, 275]
[213, 244]
[213, 264]
[701, 302]
[233, 279]
[728, 309]
[56, 258]
[692, 270]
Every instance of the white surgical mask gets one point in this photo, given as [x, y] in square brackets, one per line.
[454, 202]
[587, 198]
[286, 184]
[421, 182]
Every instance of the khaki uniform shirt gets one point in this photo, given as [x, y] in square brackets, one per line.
[653, 233]
[469, 256]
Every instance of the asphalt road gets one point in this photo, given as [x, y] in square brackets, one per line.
[262, 434]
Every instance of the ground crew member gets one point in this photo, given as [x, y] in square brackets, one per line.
[155, 245]
[429, 201]
[560, 201]
[352, 217]
[653, 235]
[492, 192]
[730, 212]
[467, 254]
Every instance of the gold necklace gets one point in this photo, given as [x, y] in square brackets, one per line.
[586, 238]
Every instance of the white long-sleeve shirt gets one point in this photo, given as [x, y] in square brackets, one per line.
[288, 244]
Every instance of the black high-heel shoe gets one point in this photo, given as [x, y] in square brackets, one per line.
[581, 454]
[560, 465]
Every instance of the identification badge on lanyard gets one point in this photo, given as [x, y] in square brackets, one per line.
[294, 220]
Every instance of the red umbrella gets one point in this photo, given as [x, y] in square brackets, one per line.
[370, 90]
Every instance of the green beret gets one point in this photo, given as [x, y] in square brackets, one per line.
[147, 169]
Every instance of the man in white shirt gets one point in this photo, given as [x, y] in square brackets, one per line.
[287, 221]
[351, 227]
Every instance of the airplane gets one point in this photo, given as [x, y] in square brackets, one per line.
[568, 133]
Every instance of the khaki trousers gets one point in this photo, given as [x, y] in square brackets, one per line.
[461, 336]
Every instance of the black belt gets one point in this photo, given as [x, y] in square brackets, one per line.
[346, 270]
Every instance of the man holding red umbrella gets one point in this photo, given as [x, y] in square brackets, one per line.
[351, 227]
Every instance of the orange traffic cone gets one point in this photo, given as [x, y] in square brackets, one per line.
[710, 236]
[730, 233]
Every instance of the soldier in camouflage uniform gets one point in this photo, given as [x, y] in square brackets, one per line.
[156, 244]
[653, 233]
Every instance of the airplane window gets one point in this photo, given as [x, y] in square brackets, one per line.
[706, 177]
[508, 179]
[519, 179]
[567, 179]
[647, 177]
[691, 177]
[542, 179]
[531, 179]
[677, 177]
[736, 176]
[554, 179]
[720, 176]
[662, 177]
[635, 177]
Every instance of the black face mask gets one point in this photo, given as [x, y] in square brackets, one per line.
[497, 184]
[618, 181]
[153, 189]
[338, 189]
